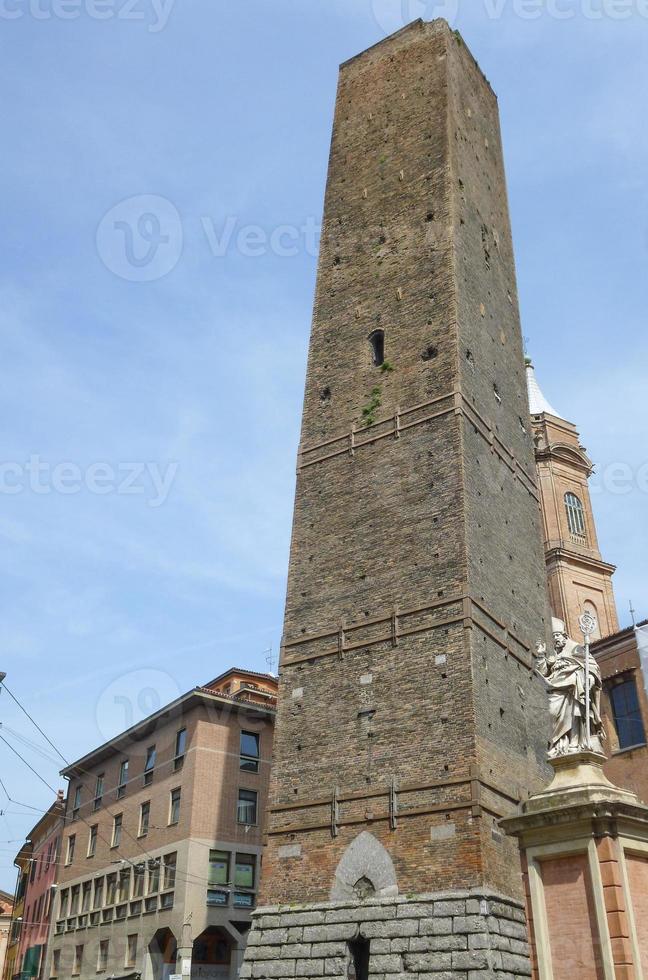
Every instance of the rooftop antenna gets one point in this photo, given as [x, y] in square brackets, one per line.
[634, 615]
[270, 659]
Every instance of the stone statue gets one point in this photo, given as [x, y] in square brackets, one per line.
[564, 672]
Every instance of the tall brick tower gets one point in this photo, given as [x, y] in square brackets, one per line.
[409, 716]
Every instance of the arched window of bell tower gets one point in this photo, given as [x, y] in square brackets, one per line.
[575, 515]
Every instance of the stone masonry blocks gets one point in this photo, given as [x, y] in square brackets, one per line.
[464, 936]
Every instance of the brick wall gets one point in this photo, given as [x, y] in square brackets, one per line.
[575, 953]
[638, 880]
[618, 658]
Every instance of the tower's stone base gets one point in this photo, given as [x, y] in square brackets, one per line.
[468, 935]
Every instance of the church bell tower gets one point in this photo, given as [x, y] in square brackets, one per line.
[410, 718]
[578, 577]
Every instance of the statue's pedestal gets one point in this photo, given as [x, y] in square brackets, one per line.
[584, 845]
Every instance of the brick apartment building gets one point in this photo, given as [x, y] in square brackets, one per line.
[162, 846]
[38, 893]
[6, 909]
[22, 862]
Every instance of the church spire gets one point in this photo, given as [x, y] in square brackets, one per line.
[538, 404]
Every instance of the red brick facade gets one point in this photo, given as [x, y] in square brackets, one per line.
[571, 919]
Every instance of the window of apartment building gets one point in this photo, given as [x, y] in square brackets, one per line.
[32, 870]
[78, 961]
[219, 865]
[174, 806]
[102, 955]
[138, 880]
[246, 810]
[86, 896]
[169, 861]
[75, 891]
[124, 885]
[217, 897]
[123, 779]
[153, 876]
[166, 900]
[249, 752]
[98, 893]
[76, 806]
[627, 713]
[117, 829]
[244, 900]
[71, 844]
[92, 841]
[64, 900]
[111, 889]
[56, 963]
[99, 791]
[180, 747]
[244, 869]
[144, 819]
[131, 950]
[149, 765]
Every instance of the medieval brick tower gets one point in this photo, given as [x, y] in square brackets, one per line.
[410, 719]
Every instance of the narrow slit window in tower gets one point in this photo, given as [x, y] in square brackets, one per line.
[377, 341]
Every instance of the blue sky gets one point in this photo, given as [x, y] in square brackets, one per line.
[223, 109]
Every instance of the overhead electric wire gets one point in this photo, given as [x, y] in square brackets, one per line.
[29, 744]
[27, 806]
[189, 878]
[22, 759]
[33, 721]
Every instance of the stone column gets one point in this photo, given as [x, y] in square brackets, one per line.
[584, 845]
[185, 952]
